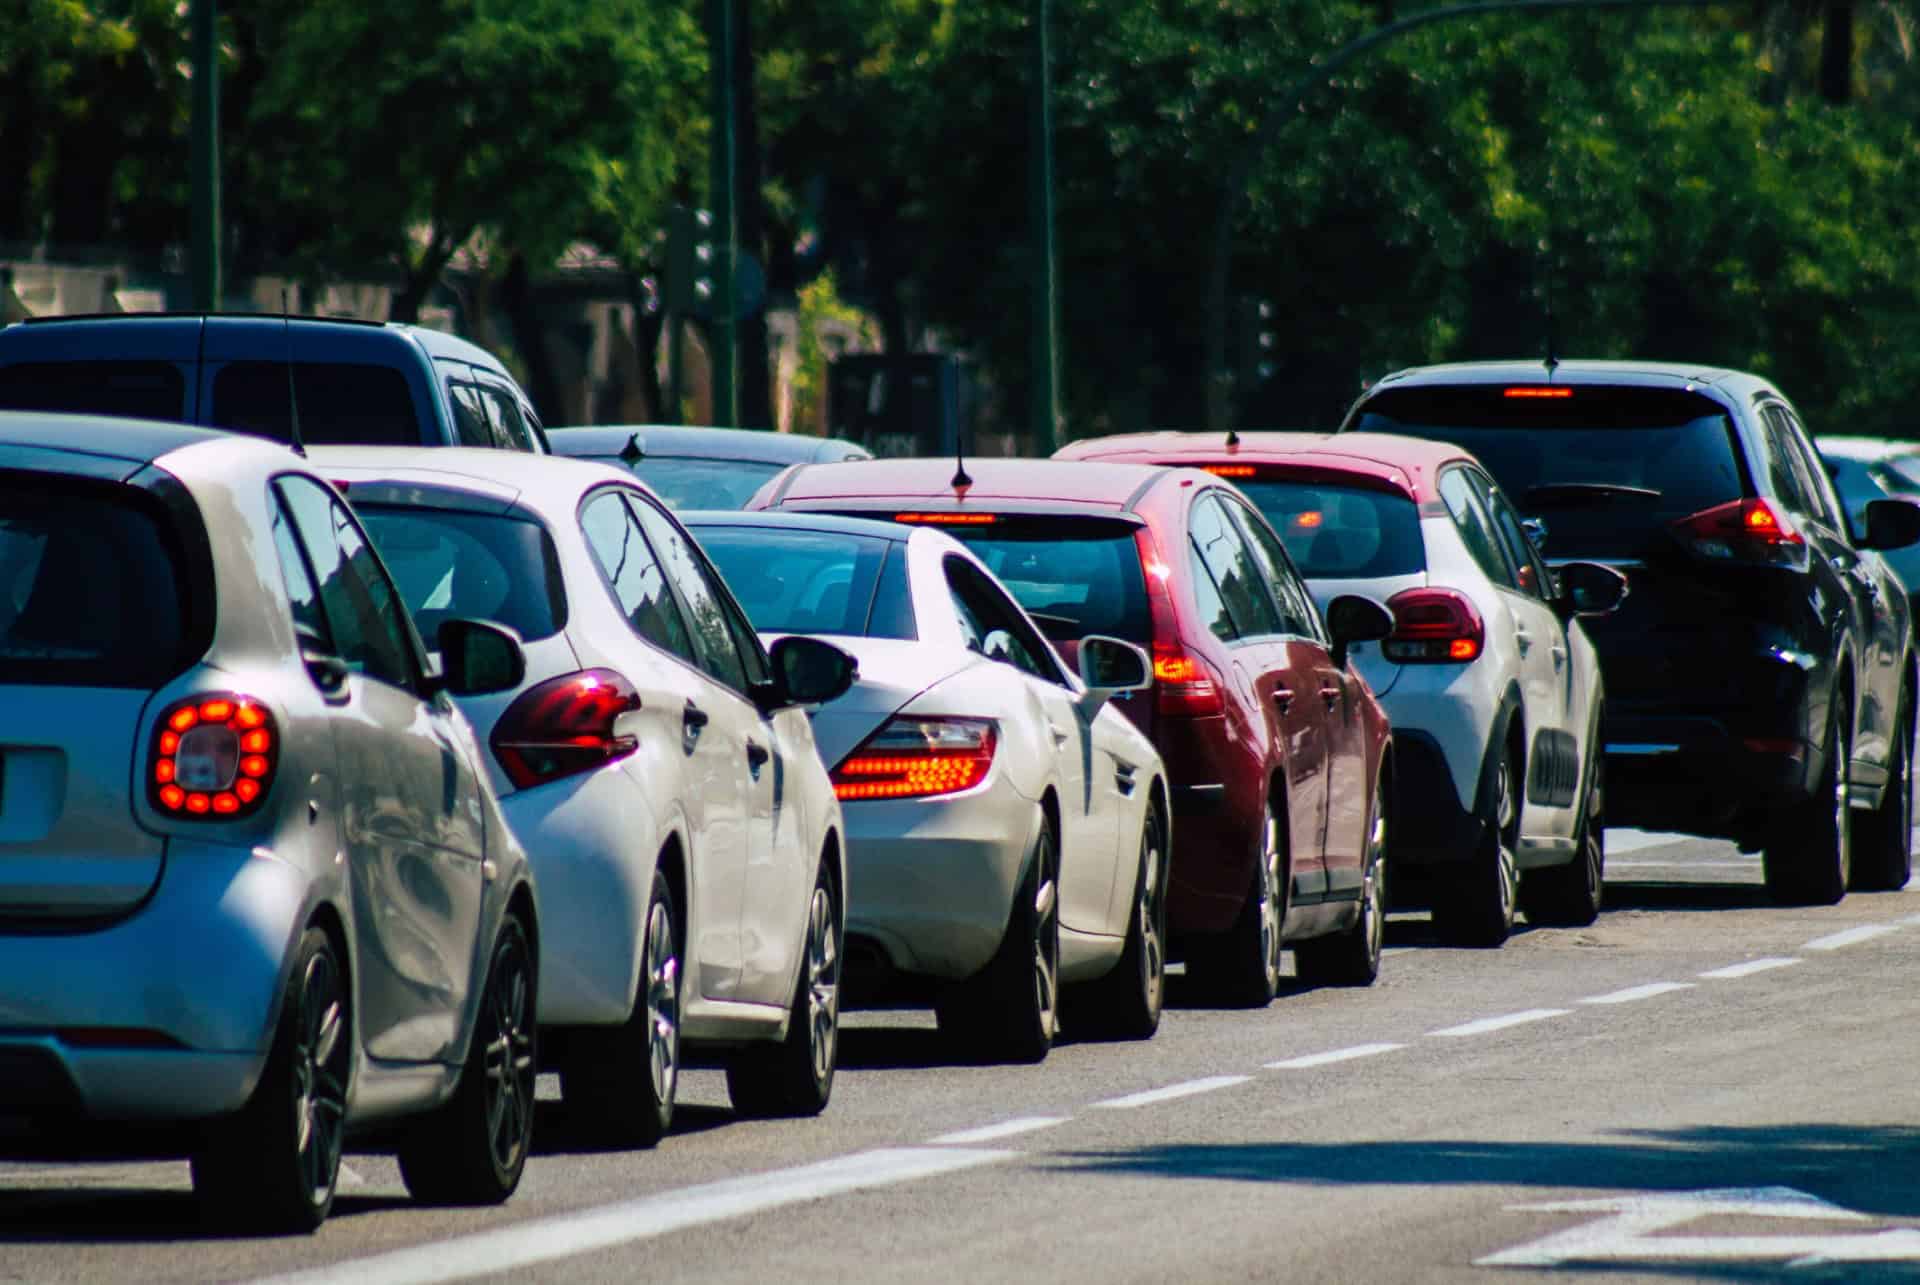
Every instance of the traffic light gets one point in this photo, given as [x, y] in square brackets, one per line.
[689, 261]
[1259, 342]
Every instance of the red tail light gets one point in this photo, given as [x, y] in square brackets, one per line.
[564, 726]
[214, 756]
[915, 758]
[1748, 530]
[1434, 627]
[1183, 687]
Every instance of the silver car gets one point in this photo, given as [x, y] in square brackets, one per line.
[254, 890]
[1008, 829]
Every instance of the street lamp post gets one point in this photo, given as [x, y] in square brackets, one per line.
[720, 330]
[1043, 413]
[204, 162]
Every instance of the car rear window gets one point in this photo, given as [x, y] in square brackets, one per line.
[1339, 532]
[686, 483]
[814, 582]
[91, 588]
[340, 403]
[1606, 465]
[1074, 576]
[129, 389]
[451, 564]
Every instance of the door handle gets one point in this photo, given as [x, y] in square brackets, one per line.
[1525, 640]
[693, 718]
[1059, 737]
[1283, 697]
[1331, 695]
[756, 758]
[1559, 655]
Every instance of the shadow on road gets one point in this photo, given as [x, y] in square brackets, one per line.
[1686, 896]
[115, 1215]
[560, 1132]
[1871, 1168]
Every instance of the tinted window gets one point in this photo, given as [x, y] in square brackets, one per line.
[809, 582]
[91, 592]
[470, 566]
[1475, 526]
[302, 597]
[993, 626]
[1342, 532]
[1297, 614]
[363, 612]
[469, 413]
[1784, 477]
[713, 640]
[1674, 449]
[1074, 576]
[509, 426]
[139, 389]
[633, 573]
[1900, 474]
[1206, 597]
[339, 403]
[1529, 575]
[700, 484]
[1239, 578]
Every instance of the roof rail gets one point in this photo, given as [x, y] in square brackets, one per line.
[194, 316]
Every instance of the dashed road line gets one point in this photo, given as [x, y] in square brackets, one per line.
[1328, 1059]
[994, 1132]
[1487, 1024]
[1747, 969]
[1185, 1089]
[1850, 937]
[1632, 993]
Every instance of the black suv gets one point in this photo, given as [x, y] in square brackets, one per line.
[1760, 676]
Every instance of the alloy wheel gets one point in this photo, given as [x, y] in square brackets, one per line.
[1506, 813]
[1046, 938]
[1152, 913]
[663, 1003]
[823, 981]
[320, 1077]
[1373, 902]
[509, 1057]
[1270, 900]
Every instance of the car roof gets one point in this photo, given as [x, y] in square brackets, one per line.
[1562, 371]
[479, 472]
[138, 442]
[686, 441]
[1036, 485]
[1409, 464]
[830, 523]
[176, 336]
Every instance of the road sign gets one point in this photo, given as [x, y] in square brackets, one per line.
[1629, 1232]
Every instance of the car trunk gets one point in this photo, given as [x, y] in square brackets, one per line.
[892, 673]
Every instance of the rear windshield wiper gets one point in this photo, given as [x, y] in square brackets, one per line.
[1573, 495]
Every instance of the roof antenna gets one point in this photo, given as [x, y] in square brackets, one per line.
[632, 453]
[1233, 439]
[293, 402]
[1553, 356]
[961, 482]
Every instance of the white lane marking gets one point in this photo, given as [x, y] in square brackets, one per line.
[1487, 1024]
[349, 1176]
[1185, 1089]
[546, 1240]
[994, 1132]
[1632, 993]
[1747, 969]
[1396, 950]
[1634, 840]
[1328, 1059]
[1852, 936]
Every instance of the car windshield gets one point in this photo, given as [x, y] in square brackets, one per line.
[338, 403]
[90, 589]
[1075, 576]
[1338, 532]
[137, 389]
[1607, 465]
[451, 564]
[793, 581]
[687, 483]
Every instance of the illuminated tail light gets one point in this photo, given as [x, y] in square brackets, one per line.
[916, 758]
[1748, 530]
[564, 726]
[1183, 686]
[214, 756]
[1434, 627]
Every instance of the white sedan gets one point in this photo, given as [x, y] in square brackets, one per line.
[656, 765]
[1008, 829]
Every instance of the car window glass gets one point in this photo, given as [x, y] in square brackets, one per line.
[293, 569]
[510, 431]
[339, 402]
[1297, 615]
[142, 389]
[362, 608]
[1001, 630]
[1206, 597]
[1476, 529]
[1241, 581]
[469, 413]
[634, 575]
[1783, 471]
[1822, 502]
[713, 642]
[1530, 577]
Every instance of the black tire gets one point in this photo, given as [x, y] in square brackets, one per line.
[795, 1077]
[1809, 861]
[1883, 840]
[275, 1165]
[1570, 895]
[620, 1081]
[1010, 1010]
[1352, 956]
[1241, 967]
[1478, 908]
[1125, 1004]
[473, 1150]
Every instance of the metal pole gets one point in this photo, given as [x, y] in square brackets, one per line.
[204, 165]
[1044, 397]
[671, 412]
[725, 230]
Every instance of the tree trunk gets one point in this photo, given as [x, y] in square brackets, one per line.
[646, 344]
[21, 133]
[1836, 55]
[750, 332]
[530, 339]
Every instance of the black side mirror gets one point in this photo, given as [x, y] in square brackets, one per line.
[479, 657]
[328, 671]
[1891, 524]
[807, 671]
[1590, 589]
[1352, 619]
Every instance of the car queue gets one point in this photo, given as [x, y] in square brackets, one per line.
[400, 773]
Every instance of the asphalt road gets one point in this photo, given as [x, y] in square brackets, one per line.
[1701, 1086]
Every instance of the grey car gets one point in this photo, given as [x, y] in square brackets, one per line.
[255, 892]
[702, 468]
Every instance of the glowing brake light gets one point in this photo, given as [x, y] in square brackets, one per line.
[948, 519]
[1183, 687]
[1743, 531]
[1309, 519]
[213, 756]
[1229, 470]
[1434, 627]
[1537, 391]
[916, 758]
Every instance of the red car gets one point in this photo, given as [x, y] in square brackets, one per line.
[1278, 752]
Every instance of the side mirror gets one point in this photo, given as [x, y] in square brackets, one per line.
[328, 671]
[478, 658]
[807, 671]
[1108, 667]
[1536, 529]
[1891, 524]
[1352, 619]
[1591, 589]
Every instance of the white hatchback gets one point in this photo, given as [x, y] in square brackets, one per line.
[656, 765]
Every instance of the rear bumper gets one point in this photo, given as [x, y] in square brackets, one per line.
[1697, 775]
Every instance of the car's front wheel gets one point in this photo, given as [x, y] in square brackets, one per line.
[1010, 1010]
[795, 1076]
[621, 1081]
[1352, 957]
[1477, 910]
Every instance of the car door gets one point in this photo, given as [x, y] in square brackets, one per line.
[1278, 676]
[412, 820]
[736, 744]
